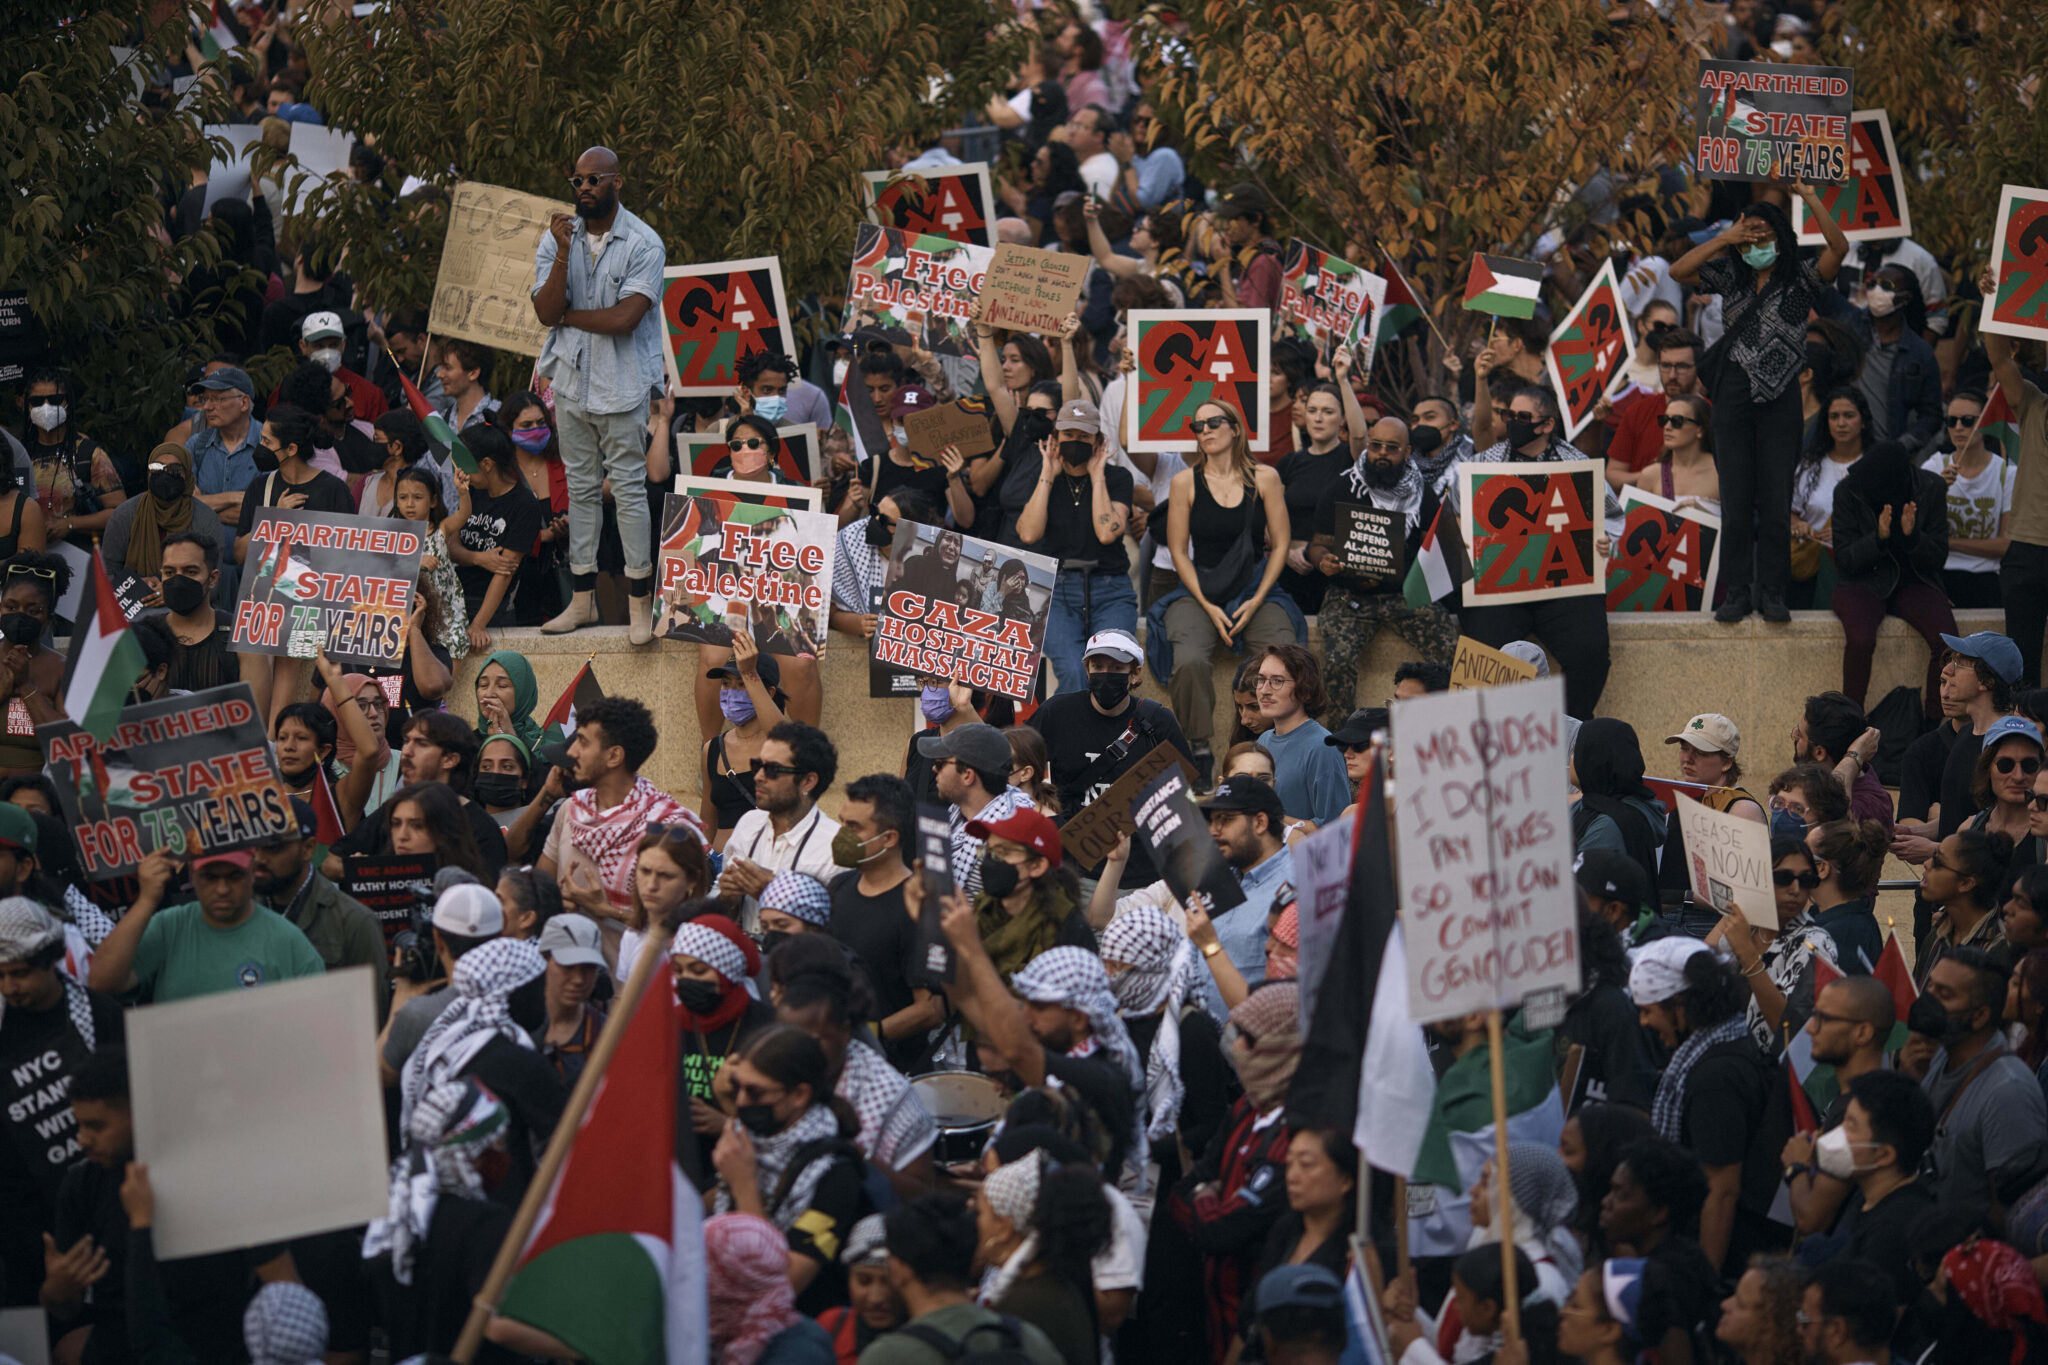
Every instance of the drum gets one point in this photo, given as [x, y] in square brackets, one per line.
[966, 1105]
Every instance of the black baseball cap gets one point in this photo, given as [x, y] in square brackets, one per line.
[1358, 727]
[1607, 875]
[765, 665]
[1249, 795]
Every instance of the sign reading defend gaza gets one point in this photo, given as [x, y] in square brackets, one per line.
[316, 579]
[1761, 121]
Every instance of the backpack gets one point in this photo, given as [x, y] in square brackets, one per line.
[1636, 836]
[1010, 1350]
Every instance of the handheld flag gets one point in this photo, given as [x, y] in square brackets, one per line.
[217, 38]
[1403, 304]
[105, 659]
[326, 815]
[441, 438]
[1503, 286]
[1396, 1072]
[581, 693]
[1439, 564]
[2000, 422]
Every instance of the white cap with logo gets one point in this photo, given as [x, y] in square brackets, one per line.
[469, 910]
[1114, 644]
[320, 325]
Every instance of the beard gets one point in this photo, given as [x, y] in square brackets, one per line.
[604, 206]
[1384, 473]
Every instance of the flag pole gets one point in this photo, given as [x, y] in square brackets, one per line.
[1401, 1261]
[652, 953]
[426, 351]
[1504, 1222]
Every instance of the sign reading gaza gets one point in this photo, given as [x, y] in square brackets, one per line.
[199, 765]
[963, 609]
[319, 579]
[1762, 121]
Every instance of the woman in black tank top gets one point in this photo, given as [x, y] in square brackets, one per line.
[752, 706]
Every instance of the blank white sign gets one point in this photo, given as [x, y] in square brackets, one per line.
[24, 1336]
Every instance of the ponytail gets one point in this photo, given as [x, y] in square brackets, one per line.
[1857, 849]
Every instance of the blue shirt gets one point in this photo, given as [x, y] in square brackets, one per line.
[1242, 930]
[606, 373]
[1160, 176]
[218, 469]
[1308, 774]
[1858, 941]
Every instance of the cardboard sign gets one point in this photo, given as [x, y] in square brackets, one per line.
[948, 424]
[2019, 258]
[1589, 350]
[259, 1112]
[1871, 204]
[484, 291]
[1476, 665]
[1091, 833]
[1188, 357]
[935, 866]
[197, 764]
[1763, 121]
[1177, 834]
[728, 565]
[705, 454]
[715, 315]
[953, 202]
[963, 609]
[1532, 530]
[1332, 303]
[1487, 892]
[1728, 859]
[1028, 290]
[319, 578]
[1668, 558]
[392, 886]
[802, 498]
[925, 287]
[1322, 884]
[1372, 543]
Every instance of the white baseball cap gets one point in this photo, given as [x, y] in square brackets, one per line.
[572, 940]
[1710, 733]
[320, 325]
[1114, 644]
[469, 910]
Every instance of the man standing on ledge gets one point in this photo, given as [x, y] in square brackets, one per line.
[597, 280]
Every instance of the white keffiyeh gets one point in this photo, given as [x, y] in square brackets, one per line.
[772, 1156]
[452, 1125]
[1074, 978]
[484, 979]
[1161, 975]
[1012, 1193]
[27, 929]
[895, 1126]
[285, 1324]
[711, 948]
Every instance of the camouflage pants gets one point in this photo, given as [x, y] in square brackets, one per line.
[1349, 623]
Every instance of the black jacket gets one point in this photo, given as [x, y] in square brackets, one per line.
[1883, 565]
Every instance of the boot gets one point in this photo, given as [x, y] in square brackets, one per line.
[1741, 602]
[581, 611]
[640, 619]
[1772, 606]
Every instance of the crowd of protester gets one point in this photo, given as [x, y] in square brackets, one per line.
[1138, 1188]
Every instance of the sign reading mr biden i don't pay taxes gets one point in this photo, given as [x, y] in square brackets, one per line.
[1485, 846]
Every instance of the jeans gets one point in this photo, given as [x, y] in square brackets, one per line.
[1923, 607]
[1574, 629]
[1756, 446]
[2023, 578]
[596, 446]
[1083, 603]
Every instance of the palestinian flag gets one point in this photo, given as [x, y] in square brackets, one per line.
[581, 693]
[1396, 1072]
[855, 415]
[1403, 306]
[326, 815]
[218, 37]
[1898, 978]
[1999, 421]
[111, 784]
[1503, 286]
[615, 1264]
[1439, 564]
[1460, 1137]
[105, 659]
[441, 438]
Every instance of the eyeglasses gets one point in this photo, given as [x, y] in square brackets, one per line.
[1266, 682]
[1969, 421]
[1676, 419]
[2029, 766]
[751, 443]
[761, 769]
[579, 182]
[2038, 800]
[1824, 1017]
[1785, 876]
[1664, 365]
[1203, 424]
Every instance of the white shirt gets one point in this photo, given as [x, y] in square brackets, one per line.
[1819, 503]
[1099, 173]
[1976, 506]
[807, 847]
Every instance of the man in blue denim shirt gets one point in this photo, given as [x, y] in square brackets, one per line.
[597, 281]
[1247, 823]
[224, 448]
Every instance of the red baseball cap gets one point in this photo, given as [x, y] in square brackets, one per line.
[1033, 829]
[239, 857]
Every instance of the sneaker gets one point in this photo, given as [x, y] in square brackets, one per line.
[1772, 607]
[1740, 603]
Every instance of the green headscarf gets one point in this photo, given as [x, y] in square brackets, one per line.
[525, 695]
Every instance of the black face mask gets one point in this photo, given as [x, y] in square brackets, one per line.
[266, 459]
[880, 531]
[998, 878]
[774, 938]
[1109, 689]
[1383, 473]
[498, 789]
[699, 997]
[182, 594]
[1034, 425]
[1077, 453]
[759, 1119]
[1521, 431]
[1927, 1017]
[358, 453]
[1424, 439]
[167, 485]
[19, 628]
[1956, 1026]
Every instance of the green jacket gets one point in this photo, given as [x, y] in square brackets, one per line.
[343, 931]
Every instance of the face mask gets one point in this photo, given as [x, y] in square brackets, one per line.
[183, 595]
[700, 997]
[266, 459]
[736, 706]
[839, 369]
[1836, 1155]
[47, 416]
[1926, 1017]
[167, 485]
[1956, 1027]
[751, 460]
[759, 1119]
[1761, 255]
[1786, 825]
[936, 703]
[1383, 473]
[19, 628]
[1109, 689]
[880, 532]
[1034, 425]
[850, 850]
[773, 939]
[998, 878]
[534, 439]
[1424, 439]
[772, 409]
[327, 358]
[1881, 301]
[1783, 49]
[900, 436]
[1077, 453]
[497, 789]
[1521, 431]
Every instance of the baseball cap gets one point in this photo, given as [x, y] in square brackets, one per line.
[2005, 727]
[912, 399]
[469, 910]
[237, 858]
[1242, 201]
[571, 940]
[1033, 829]
[17, 827]
[1994, 649]
[1358, 727]
[1608, 874]
[1710, 733]
[320, 325]
[1528, 652]
[765, 665]
[979, 745]
[1299, 1286]
[302, 812]
[1120, 645]
[1249, 795]
[1078, 414]
[229, 377]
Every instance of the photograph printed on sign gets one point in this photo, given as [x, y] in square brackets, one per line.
[1332, 303]
[1870, 206]
[954, 202]
[924, 287]
[1764, 121]
[1532, 530]
[1187, 357]
[789, 495]
[963, 610]
[319, 579]
[2019, 261]
[715, 315]
[1588, 353]
[1668, 557]
[728, 565]
[708, 454]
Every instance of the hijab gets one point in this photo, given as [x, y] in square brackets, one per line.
[1609, 760]
[525, 696]
[155, 519]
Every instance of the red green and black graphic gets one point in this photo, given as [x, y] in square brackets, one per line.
[1532, 530]
[2020, 256]
[1589, 349]
[1668, 558]
[713, 316]
[954, 202]
[1188, 357]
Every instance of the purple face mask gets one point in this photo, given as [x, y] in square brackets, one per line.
[936, 703]
[533, 440]
[735, 705]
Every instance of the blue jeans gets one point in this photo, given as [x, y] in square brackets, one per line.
[596, 446]
[1081, 605]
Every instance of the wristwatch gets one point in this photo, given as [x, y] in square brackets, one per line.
[1211, 949]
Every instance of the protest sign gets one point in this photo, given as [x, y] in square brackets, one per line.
[322, 155]
[1484, 830]
[728, 564]
[200, 764]
[964, 609]
[923, 286]
[935, 866]
[1091, 833]
[1589, 350]
[948, 424]
[1870, 205]
[2019, 260]
[259, 1112]
[1371, 543]
[229, 175]
[25, 1335]
[953, 202]
[888, 680]
[1322, 885]
[706, 454]
[392, 886]
[322, 579]
[1668, 557]
[1028, 290]
[801, 497]
[1729, 860]
[1531, 530]
[1764, 121]
[1177, 836]
[1186, 357]
[715, 315]
[484, 291]
[1332, 303]
[21, 336]
[1477, 665]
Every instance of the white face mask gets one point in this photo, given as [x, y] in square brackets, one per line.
[47, 415]
[327, 358]
[1883, 302]
[1836, 1155]
[900, 435]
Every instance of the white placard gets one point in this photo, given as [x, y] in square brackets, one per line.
[321, 153]
[81, 573]
[24, 1336]
[1485, 847]
[1322, 879]
[230, 179]
[259, 1112]
[1728, 859]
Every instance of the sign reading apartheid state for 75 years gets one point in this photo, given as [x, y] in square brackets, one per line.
[199, 764]
[1761, 121]
[963, 609]
[317, 578]
[1333, 303]
[1871, 204]
[1668, 557]
[1589, 351]
[1186, 357]
[715, 315]
[1532, 529]
[953, 202]
[924, 286]
[729, 565]
[484, 291]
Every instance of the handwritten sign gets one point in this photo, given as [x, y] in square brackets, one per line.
[484, 291]
[1728, 859]
[1485, 848]
[1477, 665]
[1371, 542]
[1091, 835]
[1322, 884]
[1028, 290]
[948, 424]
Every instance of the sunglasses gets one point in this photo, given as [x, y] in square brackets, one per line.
[761, 769]
[1962, 421]
[1205, 424]
[17, 570]
[751, 443]
[1673, 419]
[1785, 876]
[2030, 766]
[580, 182]
[2038, 800]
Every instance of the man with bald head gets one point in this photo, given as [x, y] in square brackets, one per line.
[597, 281]
[1849, 1028]
[1357, 605]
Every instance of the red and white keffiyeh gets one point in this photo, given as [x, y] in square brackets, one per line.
[746, 1262]
[608, 837]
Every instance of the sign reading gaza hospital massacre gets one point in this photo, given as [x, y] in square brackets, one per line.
[729, 565]
[1668, 557]
[962, 609]
[197, 765]
[924, 286]
[1762, 121]
[319, 579]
